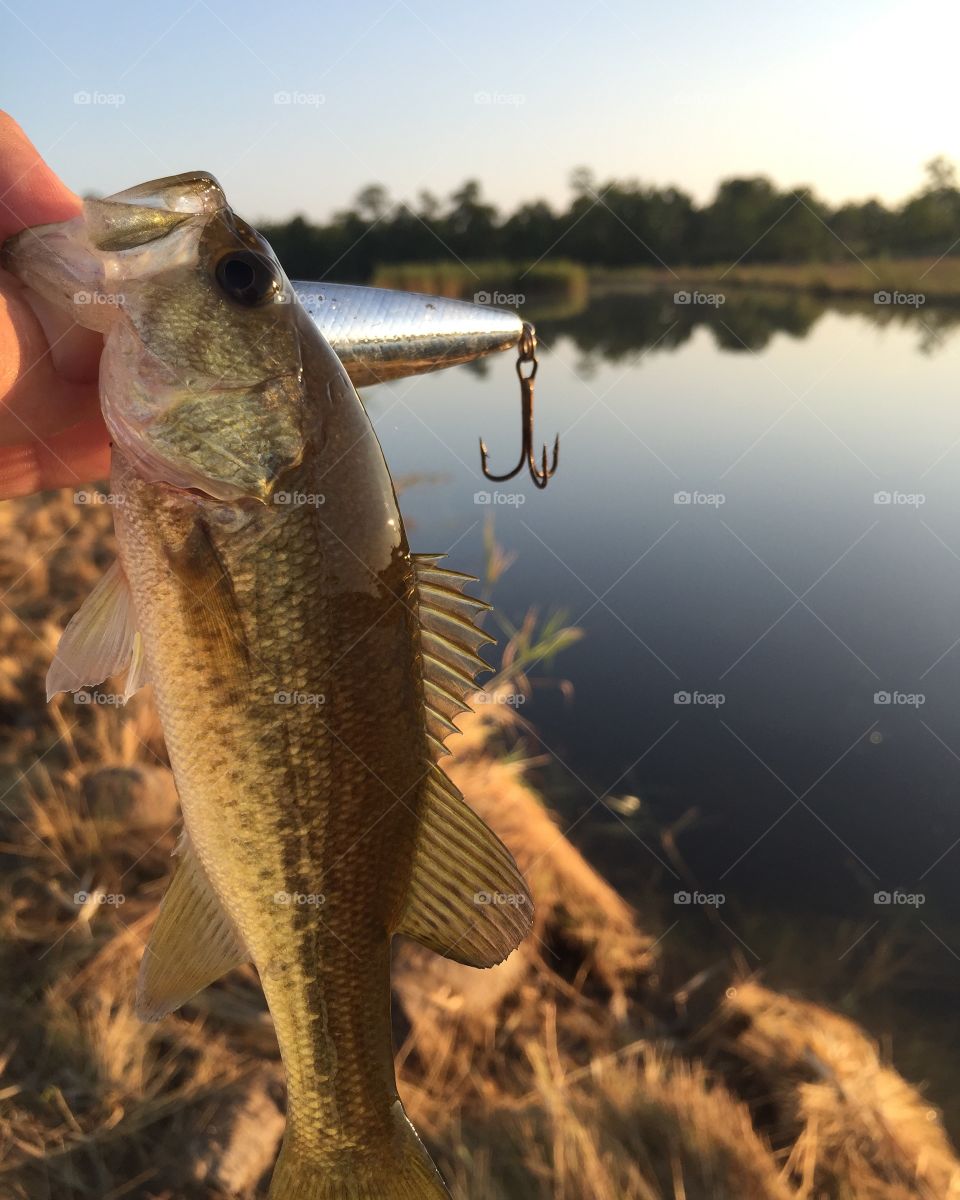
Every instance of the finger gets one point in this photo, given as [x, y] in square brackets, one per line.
[70, 458]
[38, 325]
[30, 193]
[45, 385]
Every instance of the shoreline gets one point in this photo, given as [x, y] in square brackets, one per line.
[912, 283]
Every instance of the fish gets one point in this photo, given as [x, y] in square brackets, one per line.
[380, 334]
[307, 667]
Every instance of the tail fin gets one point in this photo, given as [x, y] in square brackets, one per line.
[405, 1173]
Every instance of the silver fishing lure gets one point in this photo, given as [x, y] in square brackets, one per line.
[379, 334]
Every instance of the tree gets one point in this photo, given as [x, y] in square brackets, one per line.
[582, 182]
[624, 223]
[470, 222]
[941, 175]
[529, 232]
[372, 202]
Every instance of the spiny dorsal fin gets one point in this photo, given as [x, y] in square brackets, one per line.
[193, 943]
[467, 899]
[449, 641]
[100, 640]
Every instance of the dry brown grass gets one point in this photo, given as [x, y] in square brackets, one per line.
[841, 1111]
[572, 1071]
[645, 1129]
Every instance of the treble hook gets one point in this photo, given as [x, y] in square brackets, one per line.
[527, 353]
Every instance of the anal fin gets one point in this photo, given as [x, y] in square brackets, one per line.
[193, 943]
[466, 899]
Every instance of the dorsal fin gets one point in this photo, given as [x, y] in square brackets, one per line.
[466, 899]
[449, 641]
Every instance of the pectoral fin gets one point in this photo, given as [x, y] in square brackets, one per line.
[467, 899]
[100, 640]
[193, 943]
[209, 606]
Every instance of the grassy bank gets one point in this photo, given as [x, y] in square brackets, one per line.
[938, 281]
[595, 1063]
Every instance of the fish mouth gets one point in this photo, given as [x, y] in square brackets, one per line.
[81, 265]
[192, 193]
[57, 262]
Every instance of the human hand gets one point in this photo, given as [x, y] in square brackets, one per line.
[51, 430]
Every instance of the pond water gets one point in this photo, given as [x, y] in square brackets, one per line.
[757, 512]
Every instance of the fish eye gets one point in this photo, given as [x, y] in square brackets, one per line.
[247, 277]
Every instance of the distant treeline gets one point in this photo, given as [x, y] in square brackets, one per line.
[624, 224]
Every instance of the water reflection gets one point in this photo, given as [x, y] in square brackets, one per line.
[798, 599]
[614, 326]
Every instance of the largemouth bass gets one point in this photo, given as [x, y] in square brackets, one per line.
[306, 666]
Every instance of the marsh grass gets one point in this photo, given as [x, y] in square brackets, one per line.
[938, 280]
[502, 283]
[550, 282]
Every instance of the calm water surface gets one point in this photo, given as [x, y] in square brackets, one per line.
[786, 599]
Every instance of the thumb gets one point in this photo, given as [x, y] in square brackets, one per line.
[30, 193]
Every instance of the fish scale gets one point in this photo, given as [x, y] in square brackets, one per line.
[356, 853]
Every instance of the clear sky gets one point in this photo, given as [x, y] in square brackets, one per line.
[850, 96]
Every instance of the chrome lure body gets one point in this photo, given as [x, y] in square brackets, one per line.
[379, 334]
